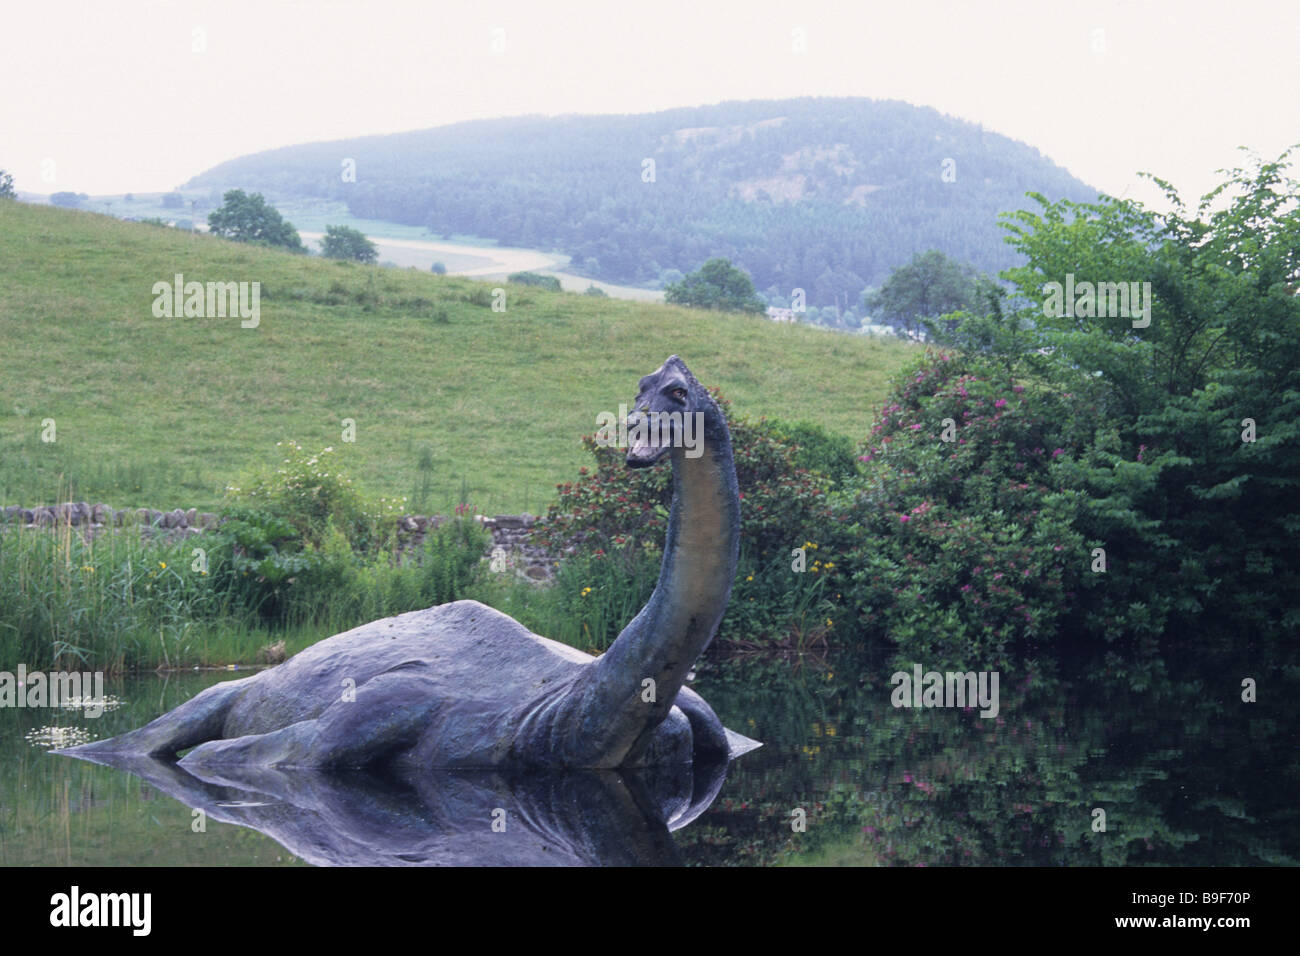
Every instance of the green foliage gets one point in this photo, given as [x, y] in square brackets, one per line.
[594, 596]
[257, 556]
[6, 185]
[613, 506]
[114, 602]
[1177, 491]
[345, 588]
[534, 279]
[438, 269]
[311, 495]
[964, 551]
[246, 218]
[929, 286]
[817, 449]
[716, 285]
[596, 291]
[618, 516]
[344, 242]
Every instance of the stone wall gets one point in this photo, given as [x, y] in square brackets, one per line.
[510, 550]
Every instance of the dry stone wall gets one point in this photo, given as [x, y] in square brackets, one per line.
[511, 548]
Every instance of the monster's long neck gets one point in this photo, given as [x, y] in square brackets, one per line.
[620, 709]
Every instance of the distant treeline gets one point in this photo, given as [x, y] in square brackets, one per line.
[826, 195]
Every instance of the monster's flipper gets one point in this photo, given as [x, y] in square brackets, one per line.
[197, 720]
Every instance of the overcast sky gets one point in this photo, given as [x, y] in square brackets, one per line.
[132, 95]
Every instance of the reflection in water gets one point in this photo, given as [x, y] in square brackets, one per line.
[1187, 773]
[445, 818]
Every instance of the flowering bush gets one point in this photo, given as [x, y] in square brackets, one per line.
[309, 492]
[619, 515]
[960, 531]
[613, 505]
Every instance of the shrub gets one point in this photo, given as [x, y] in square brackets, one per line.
[818, 450]
[618, 516]
[534, 279]
[255, 556]
[965, 552]
[310, 494]
[614, 505]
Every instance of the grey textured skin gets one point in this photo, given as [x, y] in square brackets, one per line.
[462, 686]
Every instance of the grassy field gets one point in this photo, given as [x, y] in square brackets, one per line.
[164, 412]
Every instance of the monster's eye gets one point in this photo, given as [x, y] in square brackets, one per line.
[679, 394]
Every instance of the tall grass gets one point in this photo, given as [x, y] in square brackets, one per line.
[113, 602]
[591, 600]
[120, 602]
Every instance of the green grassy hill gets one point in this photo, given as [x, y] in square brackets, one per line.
[165, 412]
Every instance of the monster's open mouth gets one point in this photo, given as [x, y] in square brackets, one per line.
[644, 452]
[647, 442]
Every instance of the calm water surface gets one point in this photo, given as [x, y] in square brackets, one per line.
[1184, 770]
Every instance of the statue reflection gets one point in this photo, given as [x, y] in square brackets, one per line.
[449, 818]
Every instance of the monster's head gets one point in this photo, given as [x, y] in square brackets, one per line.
[672, 410]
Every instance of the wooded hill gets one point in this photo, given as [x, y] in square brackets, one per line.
[822, 194]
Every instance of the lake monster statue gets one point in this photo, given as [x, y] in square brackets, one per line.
[462, 686]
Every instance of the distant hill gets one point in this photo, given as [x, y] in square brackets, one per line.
[822, 194]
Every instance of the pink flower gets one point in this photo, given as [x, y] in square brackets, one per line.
[1058, 453]
[1000, 403]
[1017, 388]
[904, 519]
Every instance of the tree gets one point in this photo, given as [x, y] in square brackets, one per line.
[174, 201]
[717, 285]
[438, 269]
[1194, 478]
[670, 277]
[929, 286]
[344, 242]
[68, 199]
[6, 185]
[247, 218]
